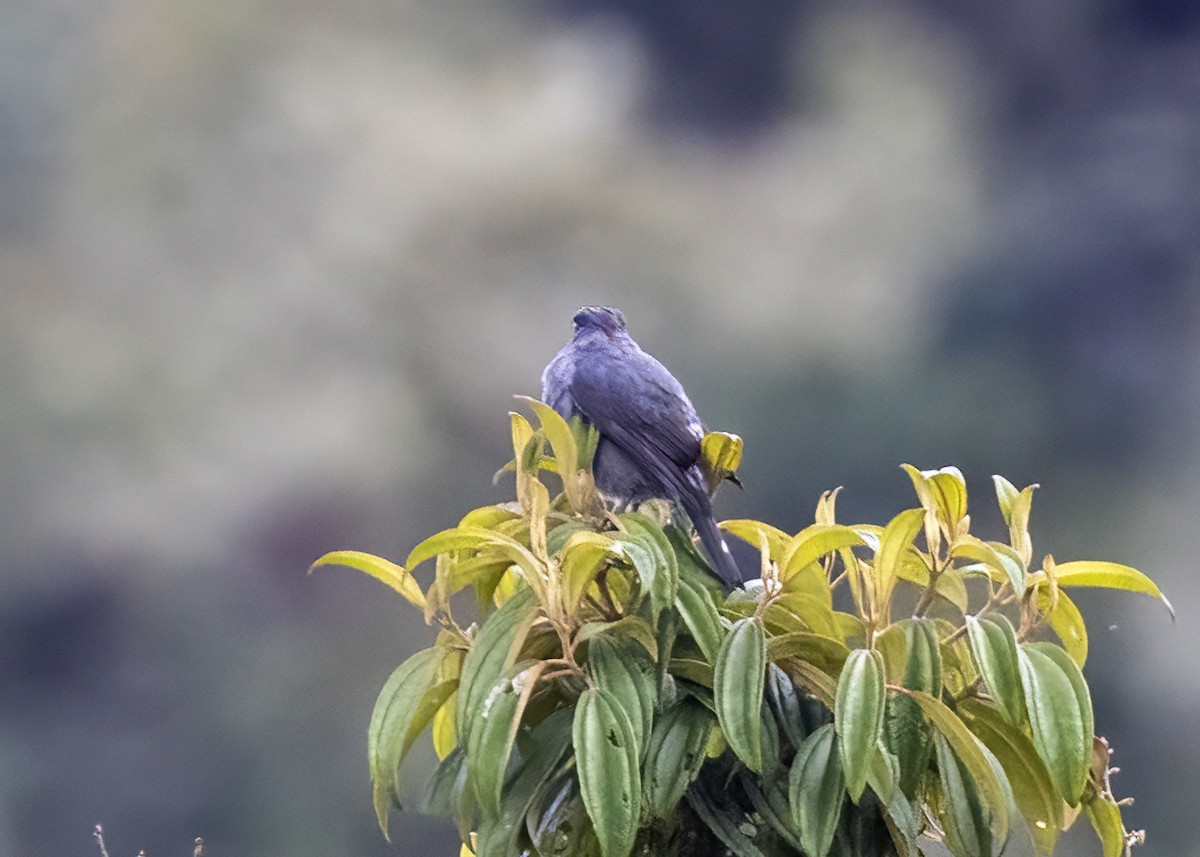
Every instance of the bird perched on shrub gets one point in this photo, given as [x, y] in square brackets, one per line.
[650, 435]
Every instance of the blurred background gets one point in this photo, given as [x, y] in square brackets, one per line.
[272, 272]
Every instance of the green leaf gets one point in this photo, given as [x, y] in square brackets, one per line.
[666, 581]
[964, 815]
[390, 721]
[1108, 574]
[493, 651]
[379, 568]
[699, 613]
[726, 822]
[1006, 495]
[994, 649]
[1036, 798]
[812, 543]
[556, 821]
[1105, 817]
[817, 790]
[738, 680]
[491, 739]
[674, 755]
[541, 750]
[609, 776]
[1066, 620]
[622, 667]
[914, 642]
[975, 764]
[858, 715]
[1060, 715]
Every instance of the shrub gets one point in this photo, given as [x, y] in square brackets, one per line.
[874, 684]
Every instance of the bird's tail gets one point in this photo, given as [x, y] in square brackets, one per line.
[719, 556]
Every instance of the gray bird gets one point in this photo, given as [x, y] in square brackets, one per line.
[650, 435]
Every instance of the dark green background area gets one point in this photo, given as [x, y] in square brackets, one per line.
[271, 273]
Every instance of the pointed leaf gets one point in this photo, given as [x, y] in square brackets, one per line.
[738, 680]
[1066, 620]
[1108, 574]
[379, 568]
[858, 715]
[1036, 798]
[994, 649]
[975, 764]
[964, 815]
[699, 613]
[750, 531]
[609, 776]
[390, 720]
[674, 755]
[812, 543]
[817, 790]
[1060, 714]
[1105, 817]
[493, 651]
[622, 667]
[1001, 565]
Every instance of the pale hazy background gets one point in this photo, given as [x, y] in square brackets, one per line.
[271, 272]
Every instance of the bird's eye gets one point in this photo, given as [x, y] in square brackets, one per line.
[580, 318]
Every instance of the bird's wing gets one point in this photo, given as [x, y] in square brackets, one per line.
[640, 406]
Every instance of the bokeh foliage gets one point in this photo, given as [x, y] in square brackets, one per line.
[873, 685]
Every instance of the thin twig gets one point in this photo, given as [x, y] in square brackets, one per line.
[98, 835]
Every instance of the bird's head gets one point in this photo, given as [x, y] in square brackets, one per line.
[608, 320]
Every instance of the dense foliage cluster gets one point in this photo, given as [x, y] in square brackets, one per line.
[874, 685]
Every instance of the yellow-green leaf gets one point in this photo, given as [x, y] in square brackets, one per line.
[894, 545]
[825, 652]
[1105, 817]
[379, 568]
[1066, 620]
[458, 538]
[748, 531]
[566, 453]
[812, 543]
[1108, 574]
[583, 556]
[1001, 565]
